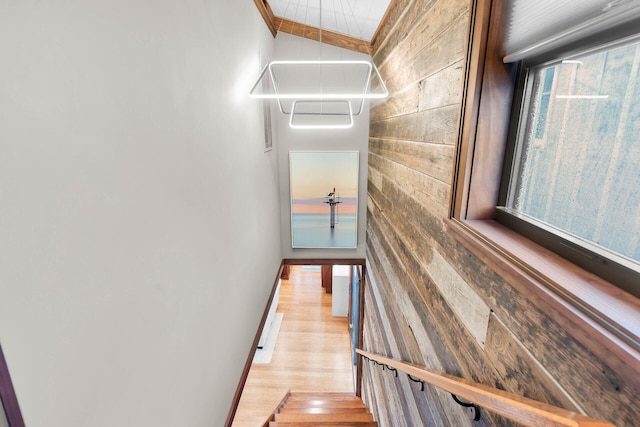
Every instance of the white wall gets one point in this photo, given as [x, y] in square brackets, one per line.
[139, 214]
[288, 139]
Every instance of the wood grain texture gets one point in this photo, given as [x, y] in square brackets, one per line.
[312, 353]
[520, 409]
[285, 272]
[474, 73]
[327, 278]
[561, 342]
[449, 346]
[578, 287]
[400, 24]
[320, 418]
[328, 37]
[533, 348]
[401, 102]
[267, 15]
[512, 360]
[492, 122]
[444, 121]
[428, 47]
[329, 409]
[431, 404]
[393, 5]
[277, 408]
[427, 159]
[428, 190]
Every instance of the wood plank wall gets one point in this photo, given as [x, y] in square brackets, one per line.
[424, 287]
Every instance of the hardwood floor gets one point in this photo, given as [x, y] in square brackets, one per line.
[312, 353]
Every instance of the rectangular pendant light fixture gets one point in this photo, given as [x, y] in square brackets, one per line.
[319, 94]
[312, 91]
[319, 80]
[321, 114]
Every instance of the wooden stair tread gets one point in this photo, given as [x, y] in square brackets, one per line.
[327, 424]
[341, 417]
[326, 404]
[311, 410]
[322, 409]
[323, 396]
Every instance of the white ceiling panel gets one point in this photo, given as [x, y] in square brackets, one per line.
[355, 18]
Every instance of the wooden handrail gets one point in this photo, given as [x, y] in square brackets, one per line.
[517, 408]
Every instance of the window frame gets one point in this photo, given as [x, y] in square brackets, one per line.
[597, 313]
[587, 256]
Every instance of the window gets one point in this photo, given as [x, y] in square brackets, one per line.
[572, 179]
[541, 192]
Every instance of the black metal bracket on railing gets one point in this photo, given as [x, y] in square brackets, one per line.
[416, 380]
[476, 409]
[395, 371]
[384, 365]
[468, 405]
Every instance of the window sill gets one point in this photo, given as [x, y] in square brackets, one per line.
[605, 316]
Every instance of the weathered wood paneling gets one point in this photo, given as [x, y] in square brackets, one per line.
[443, 127]
[446, 348]
[400, 22]
[426, 407]
[427, 50]
[413, 135]
[435, 91]
[433, 160]
[512, 361]
[428, 190]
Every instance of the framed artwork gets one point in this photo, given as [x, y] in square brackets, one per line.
[324, 199]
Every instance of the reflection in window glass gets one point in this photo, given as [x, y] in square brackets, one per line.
[579, 167]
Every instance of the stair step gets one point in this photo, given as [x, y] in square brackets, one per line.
[327, 424]
[325, 404]
[303, 409]
[287, 410]
[323, 418]
[323, 396]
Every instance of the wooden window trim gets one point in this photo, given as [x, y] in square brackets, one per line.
[603, 317]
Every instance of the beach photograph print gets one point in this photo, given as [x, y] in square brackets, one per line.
[324, 198]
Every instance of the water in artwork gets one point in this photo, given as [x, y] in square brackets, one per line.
[314, 231]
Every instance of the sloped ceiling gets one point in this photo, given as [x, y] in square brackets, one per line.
[354, 18]
[351, 24]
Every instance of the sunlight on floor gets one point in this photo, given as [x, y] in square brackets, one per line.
[312, 350]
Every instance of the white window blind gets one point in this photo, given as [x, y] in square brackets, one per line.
[539, 26]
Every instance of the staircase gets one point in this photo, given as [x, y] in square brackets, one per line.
[322, 409]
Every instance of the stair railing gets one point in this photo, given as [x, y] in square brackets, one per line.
[517, 408]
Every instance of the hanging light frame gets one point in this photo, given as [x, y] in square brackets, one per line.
[268, 78]
[296, 117]
[363, 93]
